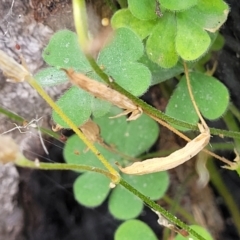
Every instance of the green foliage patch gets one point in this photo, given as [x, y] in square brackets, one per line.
[182, 31]
[121, 135]
[211, 96]
[118, 59]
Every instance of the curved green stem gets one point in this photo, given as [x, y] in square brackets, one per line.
[179, 209]
[23, 162]
[159, 209]
[20, 119]
[231, 123]
[11, 115]
[234, 111]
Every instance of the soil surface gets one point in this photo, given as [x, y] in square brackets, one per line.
[43, 206]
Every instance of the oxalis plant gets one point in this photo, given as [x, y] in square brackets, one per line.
[153, 42]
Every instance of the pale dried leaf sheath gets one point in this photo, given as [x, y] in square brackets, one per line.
[100, 90]
[173, 160]
[12, 69]
[9, 151]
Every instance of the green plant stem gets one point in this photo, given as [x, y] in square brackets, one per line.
[80, 21]
[123, 3]
[218, 182]
[159, 209]
[23, 162]
[179, 209]
[232, 125]
[69, 122]
[19, 119]
[221, 146]
[225, 133]
[151, 110]
[11, 115]
[234, 111]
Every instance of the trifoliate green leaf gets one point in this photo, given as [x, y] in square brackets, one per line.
[124, 18]
[50, 76]
[118, 60]
[153, 185]
[144, 9]
[160, 45]
[134, 230]
[122, 134]
[200, 230]
[192, 40]
[91, 189]
[124, 204]
[121, 137]
[211, 96]
[177, 5]
[63, 51]
[76, 104]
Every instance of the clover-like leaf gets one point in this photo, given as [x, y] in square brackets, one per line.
[153, 185]
[200, 230]
[79, 105]
[160, 45]
[63, 51]
[119, 61]
[134, 230]
[192, 40]
[144, 9]
[124, 204]
[121, 136]
[177, 5]
[76, 104]
[124, 18]
[211, 96]
[91, 189]
[175, 34]
[50, 76]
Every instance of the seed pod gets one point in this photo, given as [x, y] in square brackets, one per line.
[9, 150]
[173, 160]
[104, 92]
[12, 69]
